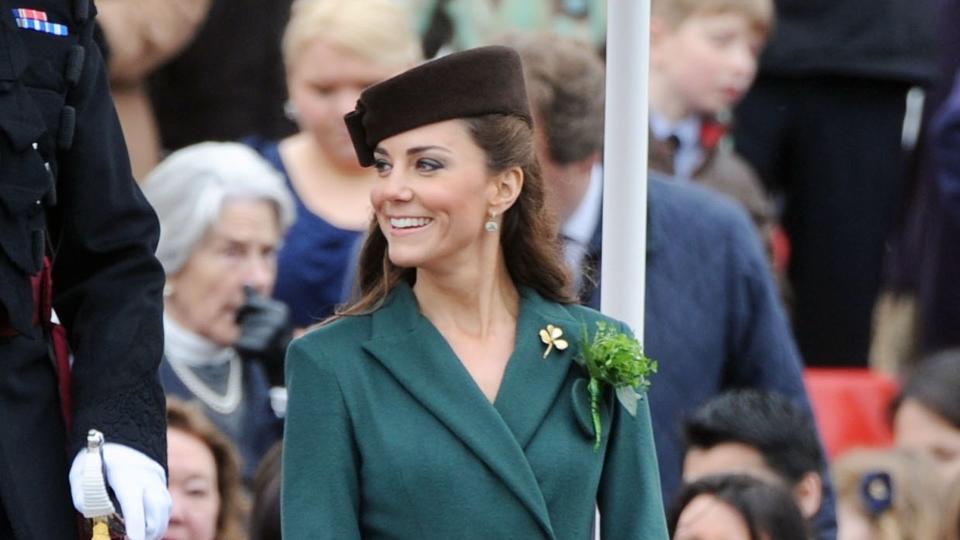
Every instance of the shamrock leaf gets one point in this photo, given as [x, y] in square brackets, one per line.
[616, 358]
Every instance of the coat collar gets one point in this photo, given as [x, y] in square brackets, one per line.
[418, 356]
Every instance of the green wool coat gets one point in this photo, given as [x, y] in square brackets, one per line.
[388, 436]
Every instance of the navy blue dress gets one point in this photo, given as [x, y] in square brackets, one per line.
[314, 262]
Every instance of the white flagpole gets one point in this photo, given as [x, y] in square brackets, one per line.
[623, 268]
[623, 273]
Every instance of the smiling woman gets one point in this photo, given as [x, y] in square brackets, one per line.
[430, 408]
[434, 198]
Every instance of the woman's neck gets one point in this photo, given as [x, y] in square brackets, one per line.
[184, 346]
[471, 300]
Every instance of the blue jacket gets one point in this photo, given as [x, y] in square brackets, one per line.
[713, 318]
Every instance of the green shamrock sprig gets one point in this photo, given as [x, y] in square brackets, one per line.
[616, 358]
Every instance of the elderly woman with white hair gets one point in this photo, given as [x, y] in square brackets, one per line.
[223, 211]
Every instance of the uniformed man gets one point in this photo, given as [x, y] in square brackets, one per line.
[70, 210]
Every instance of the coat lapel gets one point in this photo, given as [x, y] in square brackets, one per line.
[532, 382]
[418, 357]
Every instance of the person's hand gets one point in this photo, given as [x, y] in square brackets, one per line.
[265, 331]
[140, 485]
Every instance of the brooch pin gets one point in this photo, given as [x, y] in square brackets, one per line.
[552, 336]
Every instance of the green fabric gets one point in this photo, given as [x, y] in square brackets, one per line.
[388, 436]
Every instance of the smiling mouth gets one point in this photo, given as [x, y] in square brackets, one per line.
[409, 223]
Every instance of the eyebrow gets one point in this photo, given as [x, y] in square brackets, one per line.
[414, 150]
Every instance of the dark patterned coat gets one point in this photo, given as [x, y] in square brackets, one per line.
[66, 192]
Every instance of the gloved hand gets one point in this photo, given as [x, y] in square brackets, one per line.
[265, 331]
[140, 485]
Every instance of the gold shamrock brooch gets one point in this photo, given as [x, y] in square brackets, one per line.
[552, 336]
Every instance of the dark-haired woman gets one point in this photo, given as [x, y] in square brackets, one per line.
[432, 408]
[736, 507]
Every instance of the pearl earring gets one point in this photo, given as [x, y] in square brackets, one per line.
[290, 111]
[491, 226]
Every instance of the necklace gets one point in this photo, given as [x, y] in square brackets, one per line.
[223, 404]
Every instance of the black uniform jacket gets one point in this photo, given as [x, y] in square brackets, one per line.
[66, 191]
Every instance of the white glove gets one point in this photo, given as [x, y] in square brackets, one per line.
[140, 485]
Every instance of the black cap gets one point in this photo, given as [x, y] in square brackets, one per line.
[475, 82]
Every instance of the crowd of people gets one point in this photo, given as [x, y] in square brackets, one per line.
[373, 267]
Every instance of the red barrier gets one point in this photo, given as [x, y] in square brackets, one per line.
[851, 407]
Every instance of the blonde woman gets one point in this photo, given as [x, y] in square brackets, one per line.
[888, 494]
[332, 50]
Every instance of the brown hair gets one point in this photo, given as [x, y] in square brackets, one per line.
[565, 82]
[529, 239]
[933, 384]
[188, 418]
[914, 511]
[769, 510]
[675, 12]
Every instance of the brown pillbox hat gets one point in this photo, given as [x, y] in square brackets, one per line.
[475, 82]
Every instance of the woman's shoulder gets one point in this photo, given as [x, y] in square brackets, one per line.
[580, 311]
[331, 341]
[590, 317]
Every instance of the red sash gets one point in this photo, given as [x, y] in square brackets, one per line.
[56, 335]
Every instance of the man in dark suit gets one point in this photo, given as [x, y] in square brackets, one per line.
[827, 123]
[713, 318]
[70, 211]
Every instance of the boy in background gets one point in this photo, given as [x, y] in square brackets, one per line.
[703, 58]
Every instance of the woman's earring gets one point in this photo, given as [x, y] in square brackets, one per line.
[167, 290]
[491, 225]
[290, 111]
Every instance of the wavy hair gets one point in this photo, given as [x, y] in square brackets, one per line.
[529, 234]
